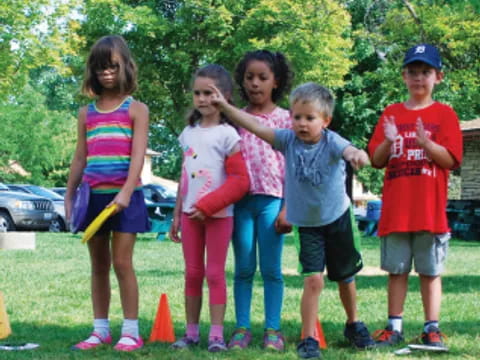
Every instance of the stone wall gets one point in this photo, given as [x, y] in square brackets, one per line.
[470, 170]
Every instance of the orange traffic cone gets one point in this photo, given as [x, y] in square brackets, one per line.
[162, 329]
[5, 329]
[318, 335]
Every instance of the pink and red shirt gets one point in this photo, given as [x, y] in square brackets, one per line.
[266, 167]
[109, 146]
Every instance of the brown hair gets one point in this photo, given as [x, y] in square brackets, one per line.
[102, 56]
[223, 81]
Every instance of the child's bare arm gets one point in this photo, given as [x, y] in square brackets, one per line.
[177, 213]
[439, 154]
[78, 162]
[356, 157]
[242, 118]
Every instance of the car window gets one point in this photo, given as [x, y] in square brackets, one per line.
[165, 192]
[40, 191]
[147, 193]
[18, 188]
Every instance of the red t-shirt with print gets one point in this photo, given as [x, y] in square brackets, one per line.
[415, 188]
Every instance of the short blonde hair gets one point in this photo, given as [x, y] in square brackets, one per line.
[315, 94]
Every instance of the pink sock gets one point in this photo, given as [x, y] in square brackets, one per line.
[193, 331]
[216, 331]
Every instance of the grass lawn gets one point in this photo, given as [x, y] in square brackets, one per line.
[47, 295]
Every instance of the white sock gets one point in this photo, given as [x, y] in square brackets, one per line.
[396, 323]
[102, 328]
[129, 327]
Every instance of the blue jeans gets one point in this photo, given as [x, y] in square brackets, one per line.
[254, 224]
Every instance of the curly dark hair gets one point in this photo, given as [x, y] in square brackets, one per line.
[277, 62]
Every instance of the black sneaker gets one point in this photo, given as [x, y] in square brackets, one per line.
[308, 349]
[387, 337]
[358, 336]
[433, 337]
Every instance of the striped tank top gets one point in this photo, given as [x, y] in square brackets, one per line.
[109, 146]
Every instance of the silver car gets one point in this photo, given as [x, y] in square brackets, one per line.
[59, 223]
[24, 211]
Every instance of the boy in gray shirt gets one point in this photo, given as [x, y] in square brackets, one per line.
[316, 202]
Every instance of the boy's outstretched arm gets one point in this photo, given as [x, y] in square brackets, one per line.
[242, 118]
[356, 157]
[439, 154]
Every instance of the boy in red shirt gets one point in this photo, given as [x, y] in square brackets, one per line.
[418, 142]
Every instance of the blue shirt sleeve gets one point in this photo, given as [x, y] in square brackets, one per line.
[283, 137]
[338, 144]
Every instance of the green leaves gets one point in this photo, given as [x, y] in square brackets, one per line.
[39, 139]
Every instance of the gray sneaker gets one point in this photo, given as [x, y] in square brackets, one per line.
[308, 349]
[216, 344]
[387, 337]
[184, 343]
[358, 336]
[433, 337]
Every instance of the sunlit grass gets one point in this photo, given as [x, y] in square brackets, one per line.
[48, 302]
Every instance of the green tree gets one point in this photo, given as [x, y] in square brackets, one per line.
[171, 39]
[382, 31]
[40, 139]
[34, 33]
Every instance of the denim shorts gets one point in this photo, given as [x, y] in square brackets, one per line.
[133, 219]
[426, 250]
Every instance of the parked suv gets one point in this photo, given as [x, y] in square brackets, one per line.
[157, 193]
[59, 223]
[24, 211]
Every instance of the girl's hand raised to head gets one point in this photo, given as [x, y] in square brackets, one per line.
[217, 97]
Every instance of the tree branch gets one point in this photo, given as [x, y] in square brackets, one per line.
[415, 17]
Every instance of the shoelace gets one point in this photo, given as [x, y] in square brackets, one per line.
[383, 335]
[311, 345]
[272, 337]
[239, 336]
[436, 336]
[364, 332]
[216, 340]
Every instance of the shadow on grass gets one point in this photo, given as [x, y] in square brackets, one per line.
[451, 284]
[55, 341]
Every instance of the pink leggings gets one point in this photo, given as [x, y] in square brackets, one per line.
[213, 235]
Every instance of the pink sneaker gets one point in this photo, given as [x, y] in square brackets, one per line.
[84, 345]
[122, 347]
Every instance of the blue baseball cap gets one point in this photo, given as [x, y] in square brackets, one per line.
[426, 53]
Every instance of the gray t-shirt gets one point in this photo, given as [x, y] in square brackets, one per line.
[315, 192]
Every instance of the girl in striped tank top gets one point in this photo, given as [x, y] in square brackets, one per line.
[111, 144]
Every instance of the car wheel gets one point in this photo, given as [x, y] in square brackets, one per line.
[56, 225]
[6, 223]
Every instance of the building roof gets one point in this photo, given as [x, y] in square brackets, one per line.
[470, 125]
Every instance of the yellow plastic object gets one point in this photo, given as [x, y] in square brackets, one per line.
[5, 329]
[98, 222]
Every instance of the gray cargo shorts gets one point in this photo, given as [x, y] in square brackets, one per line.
[426, 250]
